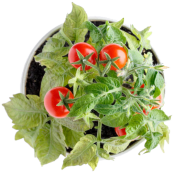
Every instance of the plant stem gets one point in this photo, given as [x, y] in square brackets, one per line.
[108, 65]
[99, 134]
[150, 129]
[66, 38]
[134, 69]
[95, 67]
[142, 104]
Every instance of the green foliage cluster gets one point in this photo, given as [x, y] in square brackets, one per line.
[116, 105]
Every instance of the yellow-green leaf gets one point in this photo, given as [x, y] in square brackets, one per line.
[82, 153]
[26, 112]
[50, 143]
[73, 22]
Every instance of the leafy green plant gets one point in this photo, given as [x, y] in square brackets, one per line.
[117, 96]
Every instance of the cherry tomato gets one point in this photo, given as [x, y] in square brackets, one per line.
[85, 49]
[114, 50]
[120, 132]
[52, 98]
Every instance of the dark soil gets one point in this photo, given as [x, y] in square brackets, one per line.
[36, 72]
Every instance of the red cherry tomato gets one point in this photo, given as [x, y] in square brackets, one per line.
[52, 98]
[85, 49]
[114, 50]
[120, 132]
[142, 86]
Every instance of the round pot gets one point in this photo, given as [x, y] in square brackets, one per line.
[42, 40]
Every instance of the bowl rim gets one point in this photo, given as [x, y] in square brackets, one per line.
[43, 39]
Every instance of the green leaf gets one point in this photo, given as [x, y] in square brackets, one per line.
[135, 31]
[48, 59]
[116, 120]
[132, 41]
[80, 92]
[159, 81]
[112, 83]
[83, 152]
[150, 77]
[95, 33]
[107, 109]
[142, 36]
[115, 145]
[57, 76]
[152, 140]
[53, 44]
[139, 80]
[100, 91]
[50, 143]
[93, 73]
[136, 56]
[164, 130]
[113, 35]
[93, 163]
[60, 37]
[102, 153]
[29, 135]
[71, 136]
[87, 117]
[72, 23]
[135, 123]
[112, 74]
[53, 79]
[137, 134]
[157, 116]
[96, 88]
[98, 45]
[83, 105]
[78, 125]
[27, 113]
[145, 34]
[62, 51]
[117, 24]
[157, 92]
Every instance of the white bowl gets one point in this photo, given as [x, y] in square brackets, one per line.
[42, 40]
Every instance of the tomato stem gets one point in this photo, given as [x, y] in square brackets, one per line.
[150, 129]
[95, 67]
[134, 69]
[99, 133]
[106, 69]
